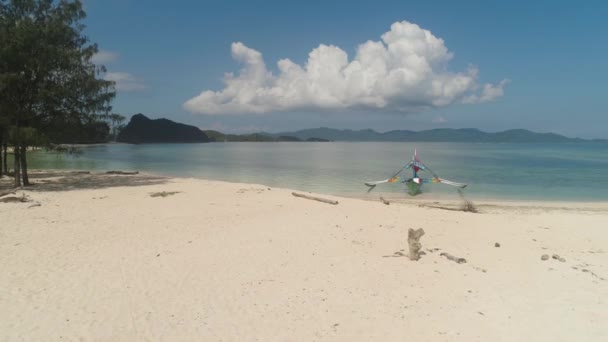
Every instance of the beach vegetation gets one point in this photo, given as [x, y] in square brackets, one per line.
[117, 124]
[4, 124]
[49, 84]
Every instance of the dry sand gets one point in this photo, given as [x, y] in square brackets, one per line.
[99, 259]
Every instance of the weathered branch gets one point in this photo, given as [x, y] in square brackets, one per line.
[453, 258]
[315, 198]
[15, 199]
[413, 240]
[384, 201]
[122, 172]
[163, 193]
[9, 192]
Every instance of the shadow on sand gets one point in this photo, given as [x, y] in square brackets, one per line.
[67, 181]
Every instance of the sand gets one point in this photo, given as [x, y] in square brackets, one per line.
[96, 258]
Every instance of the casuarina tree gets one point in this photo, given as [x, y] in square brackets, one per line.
[47, 74]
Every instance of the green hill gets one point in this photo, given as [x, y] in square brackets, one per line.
[142, 129]
[433, 135]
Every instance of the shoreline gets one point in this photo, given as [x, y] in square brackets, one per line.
[395, 197]
[493, 172]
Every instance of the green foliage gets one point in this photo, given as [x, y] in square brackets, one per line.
[48, 82]
[46, 72]
[28, 136]
[116, 122]
[77, 132]
[141, 130]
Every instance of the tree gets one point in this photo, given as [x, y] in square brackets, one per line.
[60, 131]
[46, 72]
[116, 124]
[3, 137]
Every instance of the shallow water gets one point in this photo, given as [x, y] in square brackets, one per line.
[576, 172]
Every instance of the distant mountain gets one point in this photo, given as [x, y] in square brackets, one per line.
[433, 135]
[142, 129]
[215, 136]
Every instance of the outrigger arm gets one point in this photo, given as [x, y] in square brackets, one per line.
[417, 165]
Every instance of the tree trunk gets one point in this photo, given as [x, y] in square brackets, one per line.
[17, 161]
[1, 158]
[5, 165]
[22, 155]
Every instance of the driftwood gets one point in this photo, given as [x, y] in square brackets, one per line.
[15, 199]
[9, 192]
[413, 240]
[315, 198]
[384, 201]
[164, 193]
[122, 172]
[80, 172]
[453, 258]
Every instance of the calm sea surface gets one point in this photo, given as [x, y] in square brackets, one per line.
[498, 171]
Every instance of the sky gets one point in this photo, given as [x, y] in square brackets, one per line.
[275, 66]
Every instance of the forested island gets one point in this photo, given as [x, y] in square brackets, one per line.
[141, 129]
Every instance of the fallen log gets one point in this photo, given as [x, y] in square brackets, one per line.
[15, 199]
[413, 240]
[122, 172]
[9, 192]
[453, 258]
[315, 198]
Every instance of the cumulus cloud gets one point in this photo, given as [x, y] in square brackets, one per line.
[406, 71]
[103, 57]
[488, 93]
[125, 81]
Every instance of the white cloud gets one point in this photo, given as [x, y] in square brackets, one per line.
[488, 93]
[405, 72]
[103, 57]
[125, 81]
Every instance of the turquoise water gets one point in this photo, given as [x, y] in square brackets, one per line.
[505, 171]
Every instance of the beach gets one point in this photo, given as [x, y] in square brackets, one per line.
[149, 258]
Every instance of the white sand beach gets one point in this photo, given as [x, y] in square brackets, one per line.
[96, 258]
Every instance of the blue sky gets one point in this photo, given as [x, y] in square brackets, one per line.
[550, 55]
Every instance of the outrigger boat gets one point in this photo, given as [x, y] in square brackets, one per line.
[414, 184]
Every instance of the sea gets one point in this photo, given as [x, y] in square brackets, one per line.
[545, 172]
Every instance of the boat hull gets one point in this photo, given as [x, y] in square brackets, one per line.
[413, 188]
